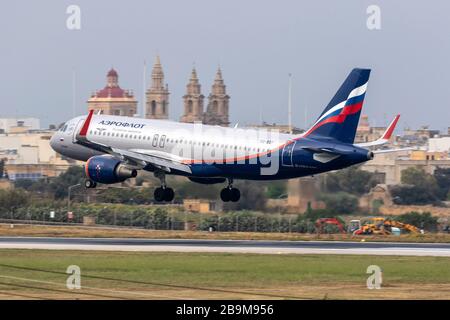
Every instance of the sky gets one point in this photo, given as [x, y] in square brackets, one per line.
[257, 43]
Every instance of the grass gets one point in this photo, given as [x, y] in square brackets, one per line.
[234, 276]
[98, 232]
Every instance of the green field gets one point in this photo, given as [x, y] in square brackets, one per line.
[212, 275]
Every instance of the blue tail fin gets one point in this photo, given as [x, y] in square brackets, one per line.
[340, 118]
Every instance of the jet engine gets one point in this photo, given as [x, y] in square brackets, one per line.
[107, 169]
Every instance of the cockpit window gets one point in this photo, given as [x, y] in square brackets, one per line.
[61, 128]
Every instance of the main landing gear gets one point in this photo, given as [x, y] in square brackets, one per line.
[163, 193]
[229, 193]
[89, 184]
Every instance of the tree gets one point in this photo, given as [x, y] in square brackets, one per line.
[2, 168]
[56, 187]
[12, 199]
[418, 177]
[442, 176]
[351, 180]
[407, 195]
[252, 196]
[418, 187]
[340, 203]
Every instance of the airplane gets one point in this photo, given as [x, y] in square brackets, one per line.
[115, 148]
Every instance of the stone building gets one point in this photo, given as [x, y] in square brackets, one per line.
[193, 100]
[112, 99]
[157, 105]
[28, 155]
[217, 110]
[302, 194]
[377, 196]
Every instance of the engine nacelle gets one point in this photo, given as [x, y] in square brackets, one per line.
[107, 169]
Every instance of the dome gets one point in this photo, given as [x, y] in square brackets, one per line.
[112, 73]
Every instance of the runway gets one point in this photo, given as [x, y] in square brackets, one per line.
[230, 246]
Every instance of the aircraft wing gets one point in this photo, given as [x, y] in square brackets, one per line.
[162, 160]
[384, 138]
[139, 158]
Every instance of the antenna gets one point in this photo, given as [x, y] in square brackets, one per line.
[306, 117]
[73, 92]
[290, 104]
[260, 116]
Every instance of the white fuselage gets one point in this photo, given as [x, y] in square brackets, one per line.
[185, 141]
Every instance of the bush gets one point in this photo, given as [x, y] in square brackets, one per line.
[11, 200]
[420, 220]
[276, 189]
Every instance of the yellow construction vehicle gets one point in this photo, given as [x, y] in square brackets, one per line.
[383, 226]
[403, 226]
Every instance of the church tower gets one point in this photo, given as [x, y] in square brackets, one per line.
[193, 100]
[112, 99]
[157, 105]
[218, 103]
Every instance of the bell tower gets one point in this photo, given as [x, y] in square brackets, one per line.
[157, 105]
[193, 100]
[218, 103]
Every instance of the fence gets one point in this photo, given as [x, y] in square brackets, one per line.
[159, 219]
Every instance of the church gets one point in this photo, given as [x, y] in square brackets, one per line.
[114, 100]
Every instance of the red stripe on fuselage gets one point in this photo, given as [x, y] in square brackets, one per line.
[340, 118]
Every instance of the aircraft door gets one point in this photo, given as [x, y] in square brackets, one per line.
[286, 156]
[76, 130]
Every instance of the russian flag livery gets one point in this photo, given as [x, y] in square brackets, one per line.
[340, 118]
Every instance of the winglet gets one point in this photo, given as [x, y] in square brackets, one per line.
[384, 138]
[86, 123]
[388, 133]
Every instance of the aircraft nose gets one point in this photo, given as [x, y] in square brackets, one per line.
[55, 141]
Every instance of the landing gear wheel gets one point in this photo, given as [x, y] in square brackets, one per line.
[225, 195]
[159, 194]
[168, 194]
[235, 194]
[88, 184]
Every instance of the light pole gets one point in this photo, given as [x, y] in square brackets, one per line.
[68, 195]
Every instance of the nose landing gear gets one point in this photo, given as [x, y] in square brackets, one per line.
[89, 184]
[230, 193]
